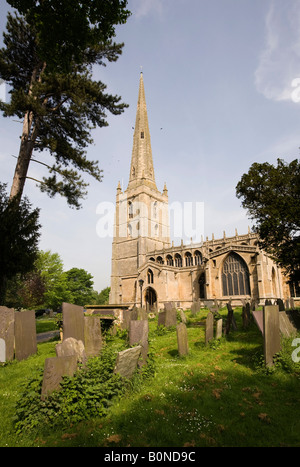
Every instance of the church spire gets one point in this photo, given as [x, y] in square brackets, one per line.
[141, 169]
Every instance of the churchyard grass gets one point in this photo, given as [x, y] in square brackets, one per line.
[219, 394]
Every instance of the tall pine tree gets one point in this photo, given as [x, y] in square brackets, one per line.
[47, 59]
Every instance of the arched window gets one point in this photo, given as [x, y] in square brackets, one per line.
[178, 260]
[235, 276]
[201, 282]
[150, 276]
[169, 260]
[198, 258]
[151, 259]
[188, 259]
[130, 210]
[159, 260]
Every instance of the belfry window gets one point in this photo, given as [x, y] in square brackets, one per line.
[235, 276]
[130, 210]
[198, 258]
[169, 260]
[188, 259]
[178, 260]
[142, 135]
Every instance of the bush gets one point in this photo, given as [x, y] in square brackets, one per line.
[87, 394]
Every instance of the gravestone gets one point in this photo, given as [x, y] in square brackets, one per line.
[138, 314]
[169, 306]
[182, 316]
[25, 334]
[230, 322]
[73, 321]
[92, 335]
[271, 333]
[182, 339]
[2, 351]
[292, 303]
[280, 304]
[7, 331]
[246, 315]
[258, 318]
[209, 327]
[54, 370]
[127, 360]
[126, 319]
[196, 306]
[219, 327]
[138, 334]
[167, 318]
[286, 326]
[69, 347]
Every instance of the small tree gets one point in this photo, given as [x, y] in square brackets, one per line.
[272, 197]
[80, 284]
[19, 234]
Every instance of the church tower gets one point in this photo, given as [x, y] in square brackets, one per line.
[141, 217]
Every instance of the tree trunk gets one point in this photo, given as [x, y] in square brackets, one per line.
[23, 161]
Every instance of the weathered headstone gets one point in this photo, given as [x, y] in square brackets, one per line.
[182, 316]
[25, 334]
[258, 318]
[182, 339]
[219, 326]
[92, 335]
[126, 319]
[138, 334]
[54, 370]
[209, 327]
[127, 361]
[7, 331]
[286, 326]
[271, 333]
[169, 306]
[196, 306]
[138, 314]
[2, 351]
[73, 321]
[246, 315]
[69, 347]
[280, 304]
[230, 322]
[167, 318]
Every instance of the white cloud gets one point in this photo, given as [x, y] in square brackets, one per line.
[145, 7]
[279, 63]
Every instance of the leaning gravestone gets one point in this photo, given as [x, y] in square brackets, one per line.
[54, 370]
[73, 321]
[138, 334]
[92, 335]
[126, 319]
[7, 331]
[271, 333]
[25, 334]
[209, 327]
[127, 361]
[246, 315]
[182, 339]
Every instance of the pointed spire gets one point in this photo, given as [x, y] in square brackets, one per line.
[141, 169]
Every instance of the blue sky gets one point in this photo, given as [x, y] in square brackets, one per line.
[220, 80]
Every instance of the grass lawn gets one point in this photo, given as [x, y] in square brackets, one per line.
[218, 395]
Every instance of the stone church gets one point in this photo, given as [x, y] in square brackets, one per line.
[148, 270]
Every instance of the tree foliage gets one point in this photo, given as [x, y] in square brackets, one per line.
[48, 62]
[271, 195]
[19, 234]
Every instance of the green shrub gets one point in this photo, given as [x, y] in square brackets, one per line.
[87, 394]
